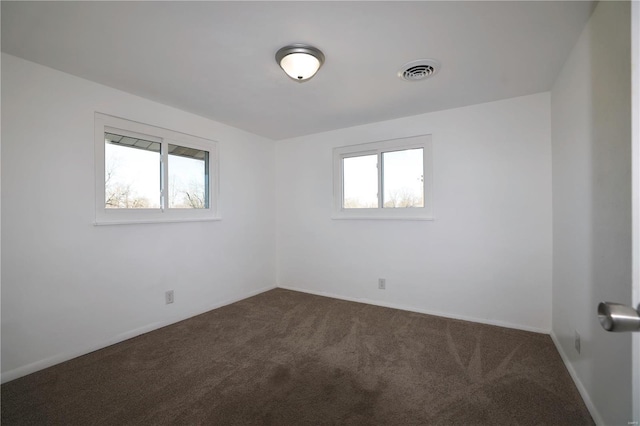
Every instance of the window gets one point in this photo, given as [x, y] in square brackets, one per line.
[149, 174]
[384, 180]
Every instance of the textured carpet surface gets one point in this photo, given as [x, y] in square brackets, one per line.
[288, 358]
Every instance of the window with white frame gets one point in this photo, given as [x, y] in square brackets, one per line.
[150, 174]
[384, 180]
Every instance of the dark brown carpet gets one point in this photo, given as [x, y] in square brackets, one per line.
[289, 358]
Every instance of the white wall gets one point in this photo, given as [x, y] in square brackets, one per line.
[486, 257]
[68, 286]
[591, 134]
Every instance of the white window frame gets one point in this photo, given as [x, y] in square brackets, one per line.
[378, 148]
[105, 216]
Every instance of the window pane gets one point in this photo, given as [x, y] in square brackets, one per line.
[403, 179]
[360, 175]
[188, 178]
[132, 172]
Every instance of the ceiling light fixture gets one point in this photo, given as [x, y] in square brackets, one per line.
[299, 61]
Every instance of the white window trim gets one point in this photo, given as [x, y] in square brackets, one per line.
[412, 213]
[104, 216]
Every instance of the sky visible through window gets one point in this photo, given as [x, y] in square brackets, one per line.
[402, 176]
[360, 182]
[132, 179]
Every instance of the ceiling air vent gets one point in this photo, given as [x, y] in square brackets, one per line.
[419, 70]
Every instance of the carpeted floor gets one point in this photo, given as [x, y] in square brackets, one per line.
[289, 358]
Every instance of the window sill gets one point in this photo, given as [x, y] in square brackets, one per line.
[380, 217]
[152, 221]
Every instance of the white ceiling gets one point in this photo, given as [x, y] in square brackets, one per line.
[216, 59]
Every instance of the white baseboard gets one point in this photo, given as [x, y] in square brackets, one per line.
[57, 359]
[419, 310]
[583, 391]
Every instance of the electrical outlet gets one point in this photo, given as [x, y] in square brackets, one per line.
[382, 283]
[577, 341]
[168, 297]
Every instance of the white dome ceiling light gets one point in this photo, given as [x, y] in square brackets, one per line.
[299, 61]
[419, 70]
